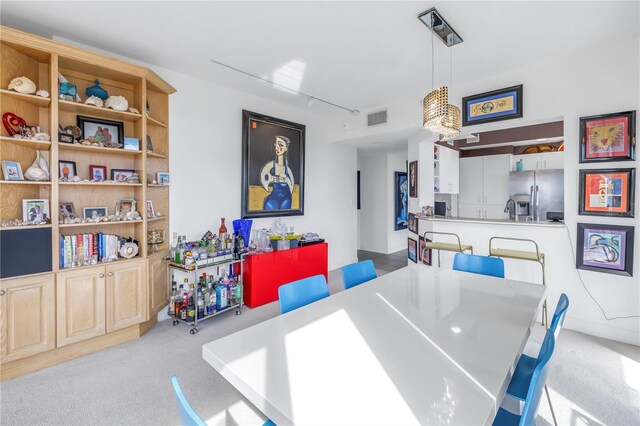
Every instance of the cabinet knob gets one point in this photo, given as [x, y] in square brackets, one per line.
[101, 275]
[110, 274]
[2, 292]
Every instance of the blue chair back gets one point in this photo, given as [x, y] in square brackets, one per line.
[358, 273]
[538, 380]
[492, 266]
[188, 416]
[559, 315]
[302, 292]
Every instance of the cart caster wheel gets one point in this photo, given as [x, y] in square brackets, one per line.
[193, 331]
[176, 322]
[238, 312]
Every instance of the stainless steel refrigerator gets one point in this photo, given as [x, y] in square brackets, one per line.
[537, 193]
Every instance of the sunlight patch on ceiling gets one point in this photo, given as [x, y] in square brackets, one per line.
[289, 75]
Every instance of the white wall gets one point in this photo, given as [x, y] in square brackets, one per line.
[373, 200]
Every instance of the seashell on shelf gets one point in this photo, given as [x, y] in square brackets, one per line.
[94, 100]
[22, 85]
[42, 93]
[39, 170]
[118, 103]
[134, 110]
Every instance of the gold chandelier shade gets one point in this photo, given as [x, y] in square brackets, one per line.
[434, 108]
[450, 123]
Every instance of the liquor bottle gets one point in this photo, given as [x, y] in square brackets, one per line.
[221, 297]
[174, 245]
[200, 303]
[172, 299]
[212, 297]
[176, 252]
[236, 246]
[191, 314]
[238, 291]
[184, 307]
[222, 231]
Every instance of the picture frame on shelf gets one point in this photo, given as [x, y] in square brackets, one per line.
[121, 175]
[605, 248]
[413, 223]
[412, 250]
[425, 253]
[11, 170]
[67, 169]
[35, 210]
[107, 132]
[151, 213]
[132, 144]
[162, 178]
[496, 105]
[101, 211]
[97, 173]
[28, 131]
[608, 137]
[67, 210]
[125, 205]
[607, 192]
[400, 200]
[64, 137]
[413, 179]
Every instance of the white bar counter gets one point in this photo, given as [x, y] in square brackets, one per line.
[491, 221]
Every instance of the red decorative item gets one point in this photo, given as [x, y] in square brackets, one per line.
[12, 123]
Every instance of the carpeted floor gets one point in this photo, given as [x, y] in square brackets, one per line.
[592, 381]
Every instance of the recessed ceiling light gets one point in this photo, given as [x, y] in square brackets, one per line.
[542, 139]
[456, 330]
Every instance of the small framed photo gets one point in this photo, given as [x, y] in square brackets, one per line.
[413, 179]
[125, 205]
[425, 253]
[67, 169]
[607, 192]
[35, 210]
[149, 144]
[162, 178]
[413, 223]
[121, 175]
[29, 132]
[11, 170]
[132, 144]
[98, 173]
[151, 213]
[412, 250]
[90, 212]
[605, 248]
[67, 210]
[608, 137]
[65, 137]
[106, 132]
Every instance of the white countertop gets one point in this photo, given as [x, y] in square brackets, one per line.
[416, 346]
[546, 224]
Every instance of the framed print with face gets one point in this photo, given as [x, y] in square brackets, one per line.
[67, 169]
[413, 179]
[607, 192]
[608, 137]
[400, 200]
[67, 210]
[105, 132]
[35, 210]
[11, 170]
[97, 173]
[605, 248]
[412, 250]
[272, 166]
[497, 105]
[95, 211]
[413, 223]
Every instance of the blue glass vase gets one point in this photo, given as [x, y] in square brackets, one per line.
[243, 227]
[97, 91]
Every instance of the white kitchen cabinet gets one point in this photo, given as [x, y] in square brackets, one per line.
[470, 181]
[447, 170]
[495, 181]
[484, 185]
[472, 211]
[542, 161]
[494, 211]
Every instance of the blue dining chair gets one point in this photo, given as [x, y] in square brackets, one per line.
[522, 376]
[532, 400]
[187, 414]
[358, 273]
[492, 266]
[302, 292]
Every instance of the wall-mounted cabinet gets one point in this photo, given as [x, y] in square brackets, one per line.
[446, 171]
[484, 186]
[541, 161]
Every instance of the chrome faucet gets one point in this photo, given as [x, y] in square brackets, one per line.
[512, 211]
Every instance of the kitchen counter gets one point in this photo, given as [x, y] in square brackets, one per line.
[491, 221]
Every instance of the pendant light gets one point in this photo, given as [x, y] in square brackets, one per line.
[435, 104]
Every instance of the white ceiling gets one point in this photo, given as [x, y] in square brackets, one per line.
[357, 54]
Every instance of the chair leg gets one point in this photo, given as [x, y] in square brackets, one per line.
[438, 258]
[553, 414]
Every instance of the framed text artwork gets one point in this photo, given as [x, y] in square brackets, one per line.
[608, 137]
[607, 192]
[497, 105]
[400, 200]
[605, 248]
[272, 166]
[413, 179]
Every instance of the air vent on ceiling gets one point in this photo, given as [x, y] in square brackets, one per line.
[376, 118]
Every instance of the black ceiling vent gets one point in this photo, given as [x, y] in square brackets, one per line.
[376, 118]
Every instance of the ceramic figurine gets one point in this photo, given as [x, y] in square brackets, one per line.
[42, 93]
[22, 85]
[97, 91]
[94, 100]
[118, 103]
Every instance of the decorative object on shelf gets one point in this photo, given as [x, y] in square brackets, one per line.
[155, 237]
[125, 206]
[39, 170]
[95, 101]
[22, 85]
[272, 166]
[43, 93]
[134, 178]
[129, 249]
[117, 103]
[134, 110]
[163, 178]
[12, 123]
[151, 213]
[132, 144]
[67, 169]
[65, 137]
[497, 105]
[413, 179]
[66, 88]
[605, 248]
[413, 223]
[608, 137]
[400, 200]
[11, 170]
[96, 91]
[607, 192]
[412, 250]
[75, 131]
[147, 108]
[242, 227]
[149, 144]
[121, 175]
[35, 211]
[98, 173]
[425, 253]
[67, 210]
[105, 132]
[95, 212]
[33, 132]
[427, 210]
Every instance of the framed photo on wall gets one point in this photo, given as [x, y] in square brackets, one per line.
[413, 223]
[608, 137]
[412, 250]
[400, 200]
[607, 192]
[497, 105]
[272, 166]
[425, 253]
[605, 248]
[413, 179]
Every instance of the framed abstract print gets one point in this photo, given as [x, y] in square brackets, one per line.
[413, 179]
[272, 166]
[400, 200]
[412, 250]
[607, 192]
[608, 137]
[605, 248]
[497, 105]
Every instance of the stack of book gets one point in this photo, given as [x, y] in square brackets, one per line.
[88, 249]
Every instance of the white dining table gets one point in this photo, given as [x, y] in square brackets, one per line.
[420, 345]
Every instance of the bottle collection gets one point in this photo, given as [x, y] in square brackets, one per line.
[212, 293]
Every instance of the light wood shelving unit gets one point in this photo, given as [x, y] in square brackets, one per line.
[25, 346]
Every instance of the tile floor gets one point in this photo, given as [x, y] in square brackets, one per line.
[385, 262]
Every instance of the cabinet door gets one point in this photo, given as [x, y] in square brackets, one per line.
[552, 161]
[449, 170]
[496, 179]
[158, 284]
[470, 211]
[126, 295]
[494, 211]
[80, 305]
[529, 161]
[470, 181]
[27, 315]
